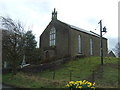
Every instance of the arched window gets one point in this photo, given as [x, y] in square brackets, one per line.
[79, 44]
[52, 36]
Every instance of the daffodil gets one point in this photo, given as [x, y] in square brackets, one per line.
[81, 84]
[84, 81]
[92, 87]
[67, 85]
[94, 83]
[71, 82]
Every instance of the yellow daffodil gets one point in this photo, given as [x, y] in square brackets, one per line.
[67, 85]
[94, 83]
[84, 81]
[92, 87]
[71, 82]
[89, 84]
[79, 84]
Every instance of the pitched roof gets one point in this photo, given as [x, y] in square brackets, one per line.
[82, 30]
[111, 53]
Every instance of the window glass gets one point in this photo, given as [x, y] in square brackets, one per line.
[79, 44]
[91, 47]
[52, 36]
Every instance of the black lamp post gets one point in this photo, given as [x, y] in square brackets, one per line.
[101, 44]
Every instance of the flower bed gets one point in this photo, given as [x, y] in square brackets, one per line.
[81, 84]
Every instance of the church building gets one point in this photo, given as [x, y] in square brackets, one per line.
[60, 40]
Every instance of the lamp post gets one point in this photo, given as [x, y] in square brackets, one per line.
[101, 44]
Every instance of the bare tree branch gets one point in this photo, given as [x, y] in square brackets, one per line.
[13, 41]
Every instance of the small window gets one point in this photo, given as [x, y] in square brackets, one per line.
[52, 36]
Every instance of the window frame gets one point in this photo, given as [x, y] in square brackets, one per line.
[52, 37]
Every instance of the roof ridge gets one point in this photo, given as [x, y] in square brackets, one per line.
[82, 30]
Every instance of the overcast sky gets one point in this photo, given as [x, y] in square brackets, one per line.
[81, 13]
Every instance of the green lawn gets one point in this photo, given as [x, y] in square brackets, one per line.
[104, 76]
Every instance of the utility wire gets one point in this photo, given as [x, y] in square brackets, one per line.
[96, 27]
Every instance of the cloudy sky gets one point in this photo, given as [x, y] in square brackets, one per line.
[36, 14]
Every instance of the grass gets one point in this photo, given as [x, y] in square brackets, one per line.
[109, 78]
[28, 81]
[81, 69]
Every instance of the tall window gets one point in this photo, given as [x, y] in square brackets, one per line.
[52, 36]
[91, 47]
[79, 44]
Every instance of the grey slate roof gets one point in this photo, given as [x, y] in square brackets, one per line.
[82, 30]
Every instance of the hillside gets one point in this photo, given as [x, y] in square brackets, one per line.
[105, 76]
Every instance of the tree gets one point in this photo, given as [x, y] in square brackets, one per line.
[30, 46]
[13, 42]
[117, 49]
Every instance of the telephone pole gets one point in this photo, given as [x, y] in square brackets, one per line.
[101, 43]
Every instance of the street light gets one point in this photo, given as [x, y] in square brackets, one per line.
[101, 44]
[104, 30]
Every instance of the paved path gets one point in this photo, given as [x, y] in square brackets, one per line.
[5, 86]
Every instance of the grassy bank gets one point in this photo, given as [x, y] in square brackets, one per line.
[80, 69]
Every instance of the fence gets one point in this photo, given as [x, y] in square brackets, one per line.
[69, 75]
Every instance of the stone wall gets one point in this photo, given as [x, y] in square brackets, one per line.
[48, 66]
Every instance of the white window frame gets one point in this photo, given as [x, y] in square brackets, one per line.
[79, 44]
[91, 47]
[52, 37]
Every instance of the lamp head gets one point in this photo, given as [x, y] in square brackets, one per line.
[104, 30]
